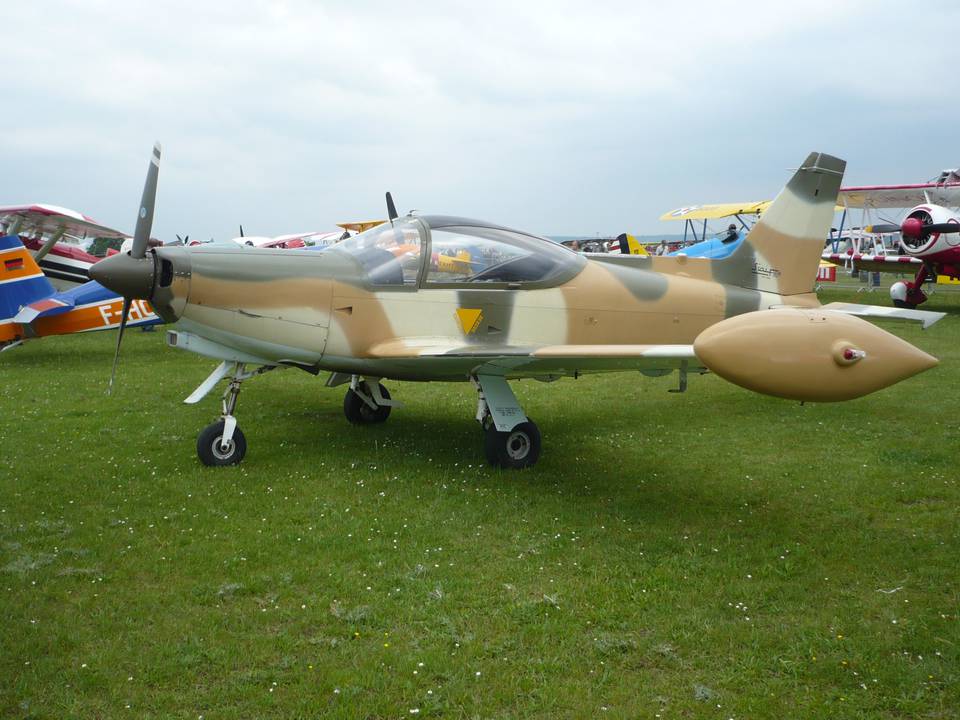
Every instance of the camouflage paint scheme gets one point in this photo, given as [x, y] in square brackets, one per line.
[751, 317]
[612, 313]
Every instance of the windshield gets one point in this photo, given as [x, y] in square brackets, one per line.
[390, 254]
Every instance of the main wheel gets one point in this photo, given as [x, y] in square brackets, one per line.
[515, 449]
[359, 413]
[210, 450]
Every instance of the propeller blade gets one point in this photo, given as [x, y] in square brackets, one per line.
[116, 355]
[145, 217]
[391, 208]
[942, 228]
[882, 229]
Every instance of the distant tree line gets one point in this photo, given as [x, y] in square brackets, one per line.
[100, 245]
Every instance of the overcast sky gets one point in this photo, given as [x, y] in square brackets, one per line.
[552, 116]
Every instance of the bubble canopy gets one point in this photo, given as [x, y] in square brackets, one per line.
[432, 250]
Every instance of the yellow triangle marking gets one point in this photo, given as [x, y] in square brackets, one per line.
[469, 319]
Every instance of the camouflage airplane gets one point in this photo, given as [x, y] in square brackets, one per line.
[442, 298]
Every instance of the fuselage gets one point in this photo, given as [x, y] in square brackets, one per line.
[334, 311]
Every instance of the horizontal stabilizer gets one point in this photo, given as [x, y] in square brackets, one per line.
[926, 317]
[41, 308]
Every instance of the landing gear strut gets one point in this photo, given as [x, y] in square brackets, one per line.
[910, 294]
[223, 443]
[511, 440]
[367, 401]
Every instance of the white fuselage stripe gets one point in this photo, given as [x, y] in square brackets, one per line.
[22, 277]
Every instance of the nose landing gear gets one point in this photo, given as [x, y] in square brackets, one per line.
[222, 443]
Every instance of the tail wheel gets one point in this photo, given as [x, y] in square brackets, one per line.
[210, 448]
[514, 449]
[359, 413]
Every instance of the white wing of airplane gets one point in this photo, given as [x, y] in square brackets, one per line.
[45, 220]
[899, 196]
[874, 263]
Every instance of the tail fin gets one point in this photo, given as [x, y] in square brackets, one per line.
[781, 253]
[21, 279]
[629, 245]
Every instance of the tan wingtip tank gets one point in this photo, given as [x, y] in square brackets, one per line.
[812, 355]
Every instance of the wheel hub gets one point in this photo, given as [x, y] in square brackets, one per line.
[518, 445]
[221, 452]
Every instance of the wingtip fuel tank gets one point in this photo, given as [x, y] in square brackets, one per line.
[812, 355]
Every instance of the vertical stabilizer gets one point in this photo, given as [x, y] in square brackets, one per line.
[21, 279]
[782, 251]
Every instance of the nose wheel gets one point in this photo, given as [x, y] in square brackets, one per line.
[213, 451]
[222, 443]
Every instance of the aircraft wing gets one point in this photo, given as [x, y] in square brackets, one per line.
[875, 263]
[716, 211]
[38, 220]
[360, 226]
[899, 196]
[543, 358]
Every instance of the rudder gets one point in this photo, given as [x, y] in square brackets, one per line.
[782, 251]
[21, 279]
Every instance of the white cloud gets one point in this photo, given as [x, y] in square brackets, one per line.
[554, 116]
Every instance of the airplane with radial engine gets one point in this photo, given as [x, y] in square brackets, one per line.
[380, 305]
[30, 306]
[929, 235]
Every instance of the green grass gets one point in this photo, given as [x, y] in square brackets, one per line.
[715, 554]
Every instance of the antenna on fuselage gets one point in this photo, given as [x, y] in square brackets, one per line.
[391, 209]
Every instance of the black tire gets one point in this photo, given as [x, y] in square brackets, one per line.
[905, 304]
[359, 413]
[515, 449]
[208, 446]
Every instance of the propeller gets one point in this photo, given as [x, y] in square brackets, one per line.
[141, 238]
[913, 227]
[392, 213]
[183, 240]
[882, 228]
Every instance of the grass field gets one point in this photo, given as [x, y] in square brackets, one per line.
[715, 554]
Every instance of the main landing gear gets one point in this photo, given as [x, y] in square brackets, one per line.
[367, 401]
[511, 439]
[910, 294]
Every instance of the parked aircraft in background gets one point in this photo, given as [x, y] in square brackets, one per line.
[310, 239]
[522, 307]
[53, 235]
[929, 235]
[30, 307]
